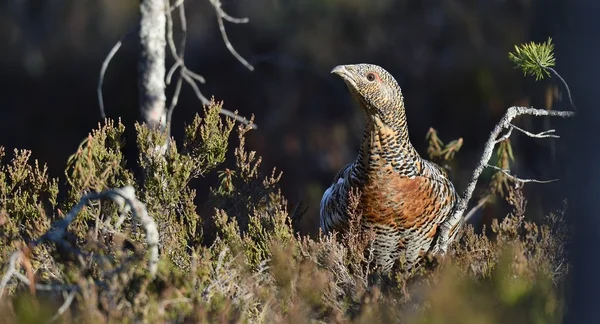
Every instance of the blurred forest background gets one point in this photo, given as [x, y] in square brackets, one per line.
[449, 56]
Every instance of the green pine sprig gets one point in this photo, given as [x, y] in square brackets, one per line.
[534, 59]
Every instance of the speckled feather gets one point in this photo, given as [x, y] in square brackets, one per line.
[404, 197]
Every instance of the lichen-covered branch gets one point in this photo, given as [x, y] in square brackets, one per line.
[451, 227]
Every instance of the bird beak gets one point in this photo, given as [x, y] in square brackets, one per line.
[344, 73]
[339, 70]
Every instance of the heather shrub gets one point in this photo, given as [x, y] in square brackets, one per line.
[241, 260]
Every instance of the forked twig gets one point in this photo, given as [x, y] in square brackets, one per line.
[517, 179]
[450, 227]
[186, 74]
[222, 15]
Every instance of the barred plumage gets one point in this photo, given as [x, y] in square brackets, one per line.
[403, 198]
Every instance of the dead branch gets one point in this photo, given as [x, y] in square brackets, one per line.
[186, 74]
[553, 71]
[63, 308]
[451, 227]
[125, 199]
[475, 208]
[140, 214]
[222, 15]
[517, 179]
[152, 81]
[545, 134]
[12, 269]
[105, 63]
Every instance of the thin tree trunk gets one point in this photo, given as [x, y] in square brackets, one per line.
[151, 64]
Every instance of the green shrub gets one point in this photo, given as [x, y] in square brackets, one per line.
[242, 261]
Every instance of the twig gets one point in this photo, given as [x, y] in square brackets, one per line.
[186, 74]
[505, 136]
[12, 269]
[222, 15]
[197, 91]
[516, 179]
[450, 227]
[176, 5]
[564, 83]
[140, 214]
[239, 118]
[545, 134]
[475, 208]
[179, 60]
[105, 63]
[44, 287]
[63, 308]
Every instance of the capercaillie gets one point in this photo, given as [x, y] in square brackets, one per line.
[403, 197]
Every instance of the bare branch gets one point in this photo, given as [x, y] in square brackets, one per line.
[152, 98]
[176, 5]
[475, 208]
[174, 101]
[12, 272]
[197, 91]
[172, 71]
[179, 60]
[221, 15]
[140, 214]
[105, 63]
[194, 75]
[505, 136]
[547, 68]
[231, 19]
[44, 287]
[545, 134]
[450, 227]
[516, 179]
[186, 74]
[239, 118]
[125, 198]
[12, 269]
[63, 308]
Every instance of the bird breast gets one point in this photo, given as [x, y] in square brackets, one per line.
[397, 201]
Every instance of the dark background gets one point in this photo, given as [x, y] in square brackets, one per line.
[449, 56]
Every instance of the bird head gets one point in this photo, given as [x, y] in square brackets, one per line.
[376, 90]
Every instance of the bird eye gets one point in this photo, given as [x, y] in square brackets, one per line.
[371, 76]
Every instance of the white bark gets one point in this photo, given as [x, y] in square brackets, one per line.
[151, 64]
[451, 227]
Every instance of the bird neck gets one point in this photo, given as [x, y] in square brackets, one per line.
[386, 143]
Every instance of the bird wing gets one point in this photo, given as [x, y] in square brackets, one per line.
[436, 173]
[334, 201]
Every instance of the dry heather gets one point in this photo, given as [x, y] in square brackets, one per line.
[241, 261]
